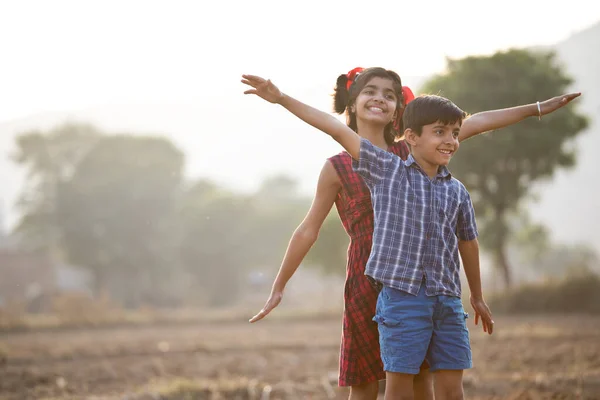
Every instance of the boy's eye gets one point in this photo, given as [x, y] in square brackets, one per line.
[390, 97]
[369, 92]
[455, 134]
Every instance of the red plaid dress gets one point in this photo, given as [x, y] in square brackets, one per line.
[360, 360]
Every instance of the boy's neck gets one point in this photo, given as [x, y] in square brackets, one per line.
[373, 134]
[431, 170]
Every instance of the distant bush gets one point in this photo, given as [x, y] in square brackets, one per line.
[11, 315]
[79, 309]
[574, 294]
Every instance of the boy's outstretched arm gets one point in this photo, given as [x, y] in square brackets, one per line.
[495, 119]
[469, 253]
[327, 123]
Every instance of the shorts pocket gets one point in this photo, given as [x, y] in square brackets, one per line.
[396, 294]
[386, 321]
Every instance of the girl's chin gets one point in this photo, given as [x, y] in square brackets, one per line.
[376, 119]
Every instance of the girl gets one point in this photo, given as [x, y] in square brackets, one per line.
[378, 118]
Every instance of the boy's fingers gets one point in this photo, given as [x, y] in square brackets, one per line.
[476, 318]
[490, 328]
[489, 322]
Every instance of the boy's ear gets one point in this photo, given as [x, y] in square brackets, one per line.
[410, 137]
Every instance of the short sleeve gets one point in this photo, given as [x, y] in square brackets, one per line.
[372, 162]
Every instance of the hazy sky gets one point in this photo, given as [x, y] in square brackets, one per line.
[173, 67]
[65, 55]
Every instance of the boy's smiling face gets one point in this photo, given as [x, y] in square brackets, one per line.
[437, 143]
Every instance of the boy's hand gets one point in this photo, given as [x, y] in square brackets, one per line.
[272, 302]
[482, 311]
[262, 88]
[557, 102]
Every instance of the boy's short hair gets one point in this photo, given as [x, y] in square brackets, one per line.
[428, 109]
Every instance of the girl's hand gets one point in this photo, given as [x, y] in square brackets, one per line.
[272, 302]
[264, 89]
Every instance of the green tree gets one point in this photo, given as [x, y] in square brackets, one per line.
[227, 235]
[50, 158]
[499, 169]
[117, 214]
[278, 210]
[215, 241]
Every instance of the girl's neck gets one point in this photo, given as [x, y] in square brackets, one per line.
[373, 134]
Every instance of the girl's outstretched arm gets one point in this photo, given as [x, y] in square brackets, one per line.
[495, 119]
[325, 122]
[304, 236]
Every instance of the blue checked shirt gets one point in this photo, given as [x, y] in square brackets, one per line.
[418, 222]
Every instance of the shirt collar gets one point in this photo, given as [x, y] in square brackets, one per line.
[443, 171]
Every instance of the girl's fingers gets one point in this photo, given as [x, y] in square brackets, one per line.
[253, 78]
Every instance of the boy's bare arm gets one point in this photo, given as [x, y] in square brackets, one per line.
[469, 252]
[486, 121]
[323, 121]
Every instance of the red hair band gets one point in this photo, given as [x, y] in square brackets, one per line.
[408, 97]
[352, 76]
[407, 94]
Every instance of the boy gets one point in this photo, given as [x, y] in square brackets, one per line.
[423, 219]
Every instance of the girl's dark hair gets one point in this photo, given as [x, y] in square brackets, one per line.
[343, 99]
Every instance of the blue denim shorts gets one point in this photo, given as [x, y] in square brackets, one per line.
[416, 328]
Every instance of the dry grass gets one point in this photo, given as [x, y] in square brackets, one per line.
[578, 294]
[79, 311]
[575, 294]
[242, 388]
[533, 357]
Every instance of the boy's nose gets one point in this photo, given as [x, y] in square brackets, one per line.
[451, 140]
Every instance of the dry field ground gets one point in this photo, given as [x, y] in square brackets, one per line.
[537, 357]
